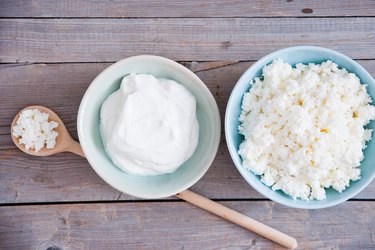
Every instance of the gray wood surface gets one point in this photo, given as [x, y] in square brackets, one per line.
[50, 51]
[184, 39]
[177, 225]
[196, 8]
[67, 177]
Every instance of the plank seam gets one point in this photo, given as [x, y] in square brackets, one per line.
[177, 17]
[106, 62]
[143, 201]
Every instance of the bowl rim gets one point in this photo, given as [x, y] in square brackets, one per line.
[232, 148]
[215, 118]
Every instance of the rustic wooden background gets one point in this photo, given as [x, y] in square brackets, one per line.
[50, 51]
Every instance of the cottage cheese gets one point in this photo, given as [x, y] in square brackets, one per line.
[304, 128]
[149, 126]
[33, 130]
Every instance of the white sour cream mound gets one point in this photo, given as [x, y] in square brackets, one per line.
[304, 128]
[33, 130]
[149, 126]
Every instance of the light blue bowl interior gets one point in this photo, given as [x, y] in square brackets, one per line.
[148, 186]
[294, 55]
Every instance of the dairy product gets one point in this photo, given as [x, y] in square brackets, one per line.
[149, 126]
[33, 130]
[304, 128]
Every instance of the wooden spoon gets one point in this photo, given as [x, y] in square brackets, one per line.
[64, 142]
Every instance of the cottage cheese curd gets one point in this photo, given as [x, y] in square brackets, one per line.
[33, 130]
[304, 128]
[149, 126]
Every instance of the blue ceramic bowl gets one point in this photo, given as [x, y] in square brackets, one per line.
[294, 55]
[158, 186]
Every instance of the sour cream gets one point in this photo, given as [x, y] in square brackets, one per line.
[149, 126]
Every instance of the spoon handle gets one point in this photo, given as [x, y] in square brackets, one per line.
[238, 218]
[75, 148]
[222, 211]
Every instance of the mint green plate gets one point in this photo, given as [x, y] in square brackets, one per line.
[294, 55]
[159, 186]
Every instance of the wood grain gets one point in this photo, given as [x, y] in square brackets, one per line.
[67, 177]
[169, 8]
[216, 39]
[178, 225]
[187, 39]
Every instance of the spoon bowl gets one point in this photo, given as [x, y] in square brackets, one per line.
[64, 142]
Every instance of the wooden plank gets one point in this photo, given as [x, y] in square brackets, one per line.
[67, 177]
[134, 8]
[178, 225]
[197, 39]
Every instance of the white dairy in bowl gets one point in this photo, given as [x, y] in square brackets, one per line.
[149, 126]
[304, 128]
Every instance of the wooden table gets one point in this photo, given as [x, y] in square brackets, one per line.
[50, 51]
